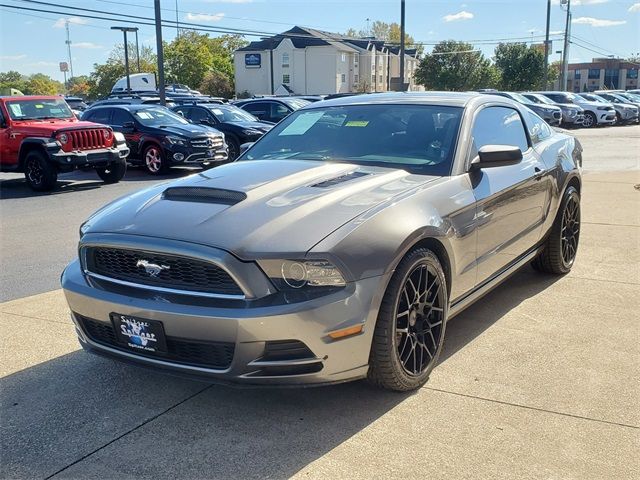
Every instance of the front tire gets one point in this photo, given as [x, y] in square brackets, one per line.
[155, 160]
[409, 332]
[590, 120]
[113, 173]
[560, 248]
[234, 148]
[40, 174]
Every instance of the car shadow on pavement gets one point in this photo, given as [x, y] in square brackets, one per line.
[14, 188]
[128, 422]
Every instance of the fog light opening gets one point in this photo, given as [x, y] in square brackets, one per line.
[346, 332]
[178, 157]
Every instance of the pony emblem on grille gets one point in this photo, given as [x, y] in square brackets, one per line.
[153, 269]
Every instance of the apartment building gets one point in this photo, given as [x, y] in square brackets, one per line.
[601, 74]
[306, 61]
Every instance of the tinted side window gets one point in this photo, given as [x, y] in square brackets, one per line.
[100, 115]
[538, 128]
[2, 120]
[120, 117]
[198, 114]
[279, 111]
[259, 109]
[499, 126]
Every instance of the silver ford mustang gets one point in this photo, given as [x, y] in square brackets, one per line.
[336, 247]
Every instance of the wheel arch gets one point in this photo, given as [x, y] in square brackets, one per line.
[29, 145]
[437, 247]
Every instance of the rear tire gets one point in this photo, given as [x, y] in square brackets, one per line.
[409, 332]
[40, 174]
[561, 246]
[112, 173]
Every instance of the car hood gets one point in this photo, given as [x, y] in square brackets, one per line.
[570, 106]
[290, 205]
[188, 131]
[49, 127]
[590, 104]
[261, 126]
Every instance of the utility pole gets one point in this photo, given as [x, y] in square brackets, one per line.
[156, 5]
[68, 42]
[137, 51]
[124, 30]
[546, 47]
[402, 45]
[177, 21]
[567, 41]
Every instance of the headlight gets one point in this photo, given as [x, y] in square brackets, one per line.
[572, 113]
[63, 139]
[603, 108]
[250, 131]
[106, 134]
[175, 140]
[295, 274]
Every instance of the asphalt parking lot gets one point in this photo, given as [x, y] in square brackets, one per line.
[540, 379]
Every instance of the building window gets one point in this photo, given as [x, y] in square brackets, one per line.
[576, 75]
[355, 78]
[285, 60]
[286, 78]
[632, 73]
[380, 78]
[343, 78]
[343, 57]
[594, 73]
[373, 79]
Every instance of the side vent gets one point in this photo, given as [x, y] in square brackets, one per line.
[203, 195]
[341, 179]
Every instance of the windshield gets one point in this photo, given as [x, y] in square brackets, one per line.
[38, 109]
[231, 114]
[543, 99]
[593, 98]
[419, 138]
[295, 103]
[159, 117]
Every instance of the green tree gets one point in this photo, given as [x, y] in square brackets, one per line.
[12, 79]
[41, 84]
[217, 84]
[455, 66]
[521, 66]
[79, 86]
[188, 58]
[106, 74]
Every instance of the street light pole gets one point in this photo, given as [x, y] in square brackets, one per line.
[160, 55]
[565, 51]
[402, 45]
[137, 52]
[124, 30]
[546, 47]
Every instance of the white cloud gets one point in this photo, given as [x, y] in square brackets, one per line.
[556, 32]
[13, 57]
[455, 17]
[597, 22]
[634, 8]
[60, 23]
[88, 45]
[205, 17]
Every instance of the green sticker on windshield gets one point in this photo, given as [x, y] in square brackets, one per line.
[39, 105]
[357, 123]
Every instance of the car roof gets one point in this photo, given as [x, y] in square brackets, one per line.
[128, 106]
[457, 99]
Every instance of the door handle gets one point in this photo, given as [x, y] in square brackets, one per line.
[539, 173]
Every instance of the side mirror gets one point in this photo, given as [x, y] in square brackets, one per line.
[204, 121]
[245, 146]
[180, 112]
[496, 156]
[129, 126]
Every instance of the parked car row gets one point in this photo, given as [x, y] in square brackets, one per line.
[586, 110]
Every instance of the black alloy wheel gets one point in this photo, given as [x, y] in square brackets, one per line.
[234, 148]
[410, 328]
[570, 231]
[419, 319]
[40, 175]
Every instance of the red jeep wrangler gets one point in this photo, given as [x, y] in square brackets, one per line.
[40, 136]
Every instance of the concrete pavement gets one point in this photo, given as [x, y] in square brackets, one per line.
[538, 380]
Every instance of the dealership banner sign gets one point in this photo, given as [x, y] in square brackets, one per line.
[252, 60]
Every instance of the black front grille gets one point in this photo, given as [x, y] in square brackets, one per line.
[161, 270]
[216, 355]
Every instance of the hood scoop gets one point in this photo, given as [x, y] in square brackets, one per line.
[203, 195]
[341, 179]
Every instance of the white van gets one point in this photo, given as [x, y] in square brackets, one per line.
[140, 82]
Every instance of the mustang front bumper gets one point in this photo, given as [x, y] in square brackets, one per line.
[271, 342]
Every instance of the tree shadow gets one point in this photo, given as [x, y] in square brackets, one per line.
[162, 426]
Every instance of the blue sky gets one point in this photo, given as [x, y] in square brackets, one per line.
[34, 41]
